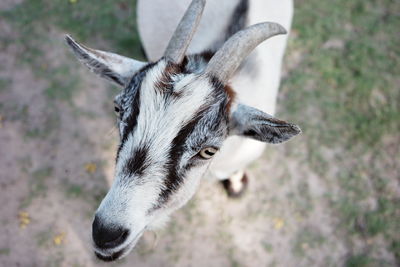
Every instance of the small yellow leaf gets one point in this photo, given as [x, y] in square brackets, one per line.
[73, 1]
[59, 239]
[24, 219]
[23, 214]
[278, 223]
[90, 167]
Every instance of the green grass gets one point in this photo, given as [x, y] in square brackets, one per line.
[44, 238]
[74, 191]
[307, 239]
[37, 185]
[4, 251]
[268, 247]
[55, 260]
[4, 84]
[60, 87]
[113, 22]
[43, 131]
[359, 261]
[351, 89]
[346, 98]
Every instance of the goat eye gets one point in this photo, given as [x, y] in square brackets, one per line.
[208, 152]
[117, 110]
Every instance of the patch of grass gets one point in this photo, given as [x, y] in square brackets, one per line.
[92, 196]
[344, 94]
[349, 87]
[306, 239]
[361, 221]
[360, 261]
[43, 131]
[14, 111]
[25, 163]
[268, 247]
[382, 219]
[395, 247]
[62, 84]
[349, 211]
[39, 177]
[113, 21]
[44, 238]
[301, 199]
[4, 84]
[192, 214]
[233, 261]
[37, 185]
[74, 191]
[5, 251]
[55, 260]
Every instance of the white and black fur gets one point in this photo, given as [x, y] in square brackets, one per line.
[170, 113]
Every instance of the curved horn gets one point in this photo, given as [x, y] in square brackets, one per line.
[184, 32]
[228, 58]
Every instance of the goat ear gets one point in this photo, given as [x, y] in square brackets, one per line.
[253, 123]
[115, 68]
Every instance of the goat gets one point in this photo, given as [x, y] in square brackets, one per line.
[194, 102]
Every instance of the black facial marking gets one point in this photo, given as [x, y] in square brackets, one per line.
[132, 98]
[175, 175]
[138, 163]
[174, 178]
[217, 85]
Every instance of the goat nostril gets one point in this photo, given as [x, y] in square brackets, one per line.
[107, 237]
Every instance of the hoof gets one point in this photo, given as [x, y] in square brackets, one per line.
[235, 188]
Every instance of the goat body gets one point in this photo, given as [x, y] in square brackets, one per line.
[257, 81]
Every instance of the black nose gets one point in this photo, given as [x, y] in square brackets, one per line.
[107, 236]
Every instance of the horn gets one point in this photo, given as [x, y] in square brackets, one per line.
[228, 58]
[184, 32]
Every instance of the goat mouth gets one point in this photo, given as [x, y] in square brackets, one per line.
[112, 257]
[107, 256]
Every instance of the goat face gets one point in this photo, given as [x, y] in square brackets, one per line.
[171, 123]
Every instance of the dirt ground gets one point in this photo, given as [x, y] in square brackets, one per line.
[56, 163]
